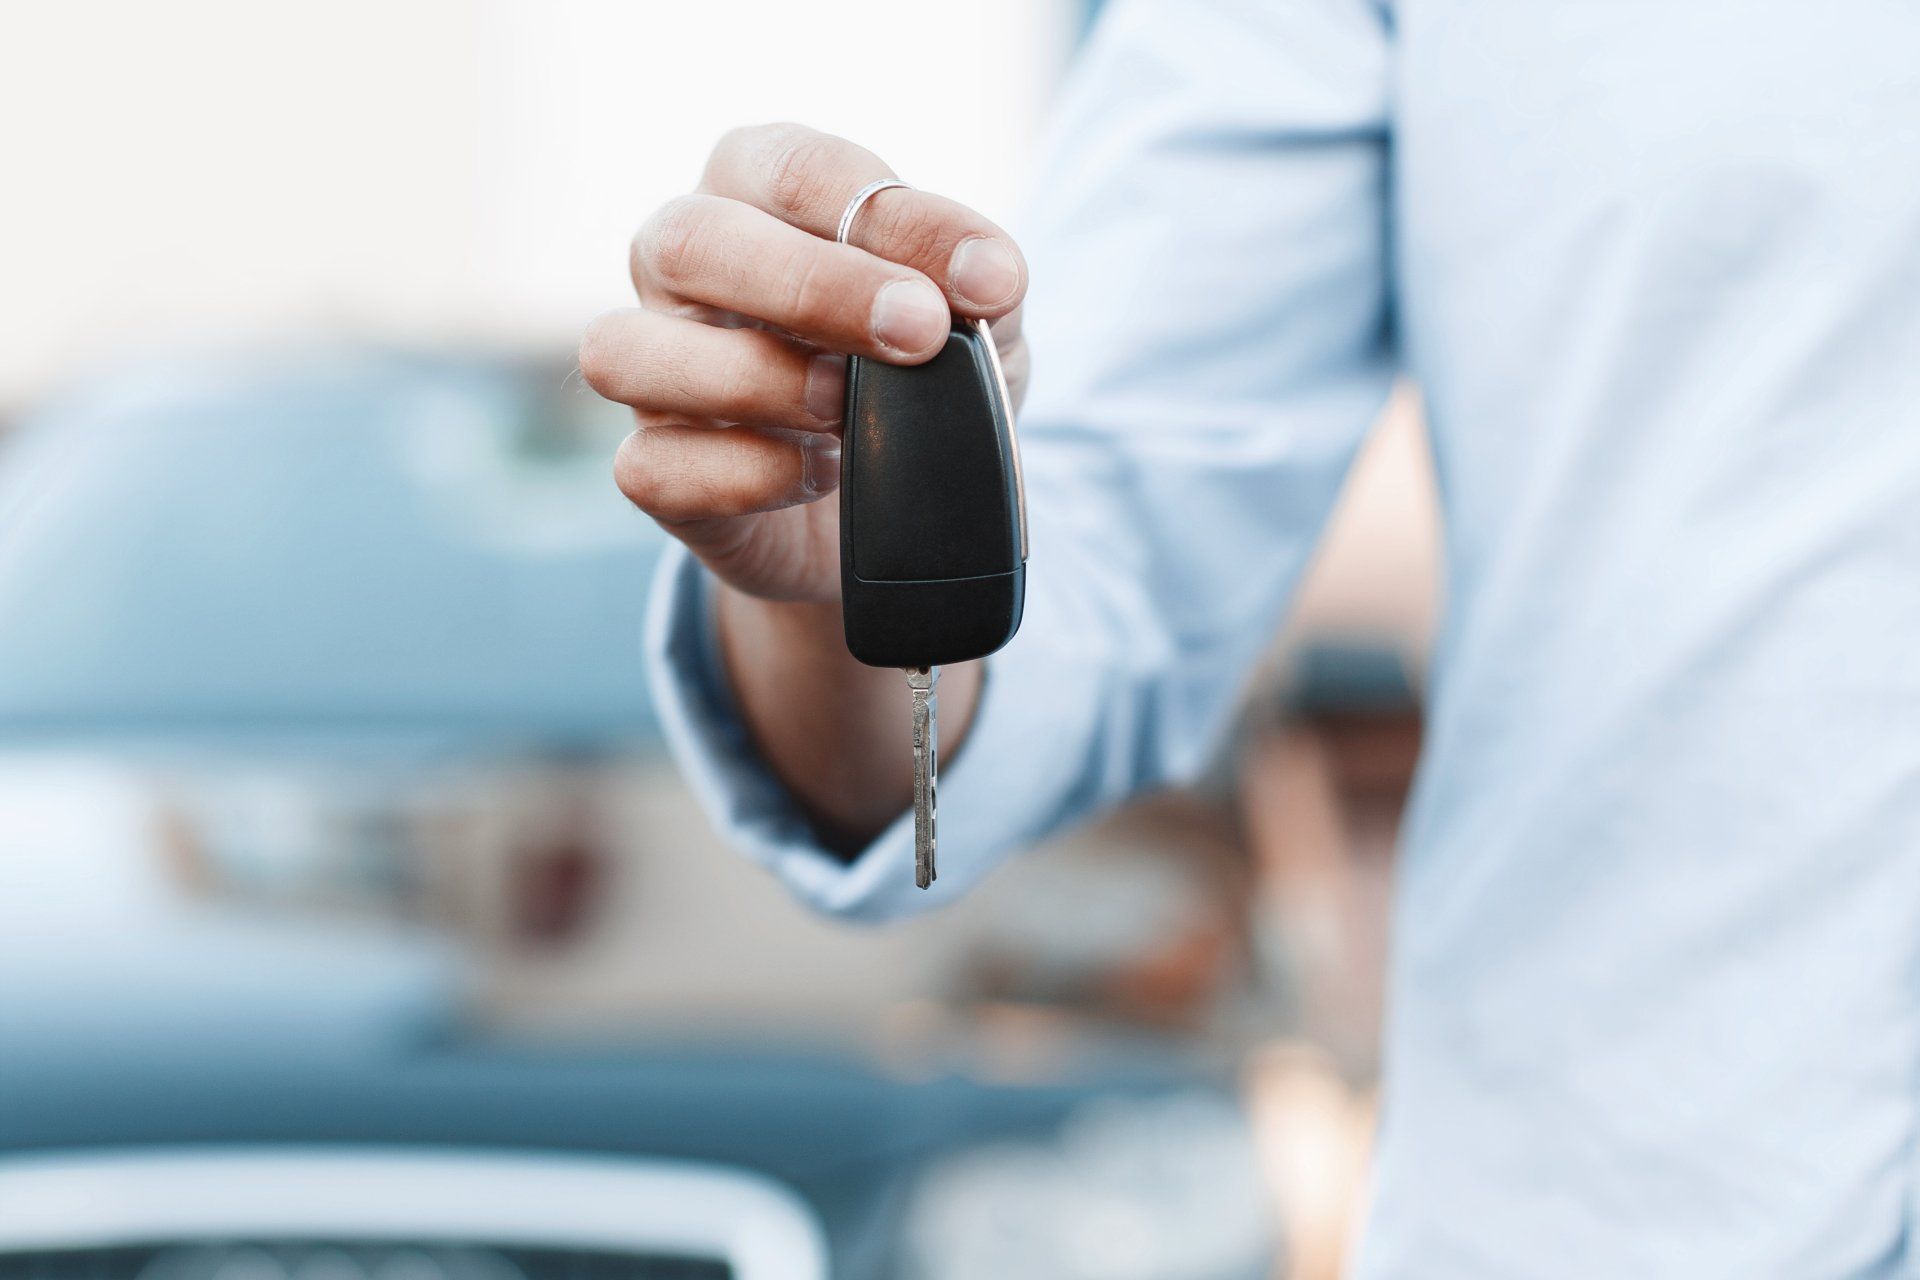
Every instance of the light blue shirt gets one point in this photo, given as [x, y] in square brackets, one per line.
[1656, 266]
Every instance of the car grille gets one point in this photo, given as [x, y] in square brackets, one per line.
[349, 1260]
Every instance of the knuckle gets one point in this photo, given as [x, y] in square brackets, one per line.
[676, 484]
[753, 139]
[699, 492]
[797, 169]
[918, 236]
[741, 140]
[598, 356]
[670, 244]
[632, 473]
[808, 289]
[753, 480]
[711, 494]
[680, 379]
[734, 386]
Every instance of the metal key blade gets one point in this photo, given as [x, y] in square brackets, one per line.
[926, 768]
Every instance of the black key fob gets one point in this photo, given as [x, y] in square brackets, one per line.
[933, 538]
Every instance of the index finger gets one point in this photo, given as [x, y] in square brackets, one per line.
[806, 177]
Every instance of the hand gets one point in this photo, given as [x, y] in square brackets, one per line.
[735, 360]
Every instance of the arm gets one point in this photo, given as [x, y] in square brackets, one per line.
[735, 366]
[798, 688]
[1210, 319]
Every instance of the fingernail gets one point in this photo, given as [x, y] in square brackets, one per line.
[909, 315]
[827, 386]
[984, 271]
[820, 465]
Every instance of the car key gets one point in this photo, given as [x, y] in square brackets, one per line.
[933, 537]
[932, 530]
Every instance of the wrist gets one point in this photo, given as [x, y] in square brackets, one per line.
[796, 626]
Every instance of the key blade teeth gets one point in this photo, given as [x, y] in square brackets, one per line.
[924, 873]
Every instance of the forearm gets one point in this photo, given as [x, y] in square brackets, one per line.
[835, 732]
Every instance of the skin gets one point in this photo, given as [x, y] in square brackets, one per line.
[734, 364]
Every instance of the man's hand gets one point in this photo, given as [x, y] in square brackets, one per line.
[735, 359]
[735, 365]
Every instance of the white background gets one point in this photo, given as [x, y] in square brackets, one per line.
[438, 171]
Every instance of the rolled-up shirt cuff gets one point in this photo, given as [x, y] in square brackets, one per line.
[1021, 771]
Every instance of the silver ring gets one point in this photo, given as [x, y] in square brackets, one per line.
[860, 197]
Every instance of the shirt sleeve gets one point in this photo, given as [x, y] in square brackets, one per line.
[1211, 335]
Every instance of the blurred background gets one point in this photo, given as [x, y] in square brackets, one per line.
[333, 817]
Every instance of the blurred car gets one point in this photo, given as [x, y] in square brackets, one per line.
[301, 648]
